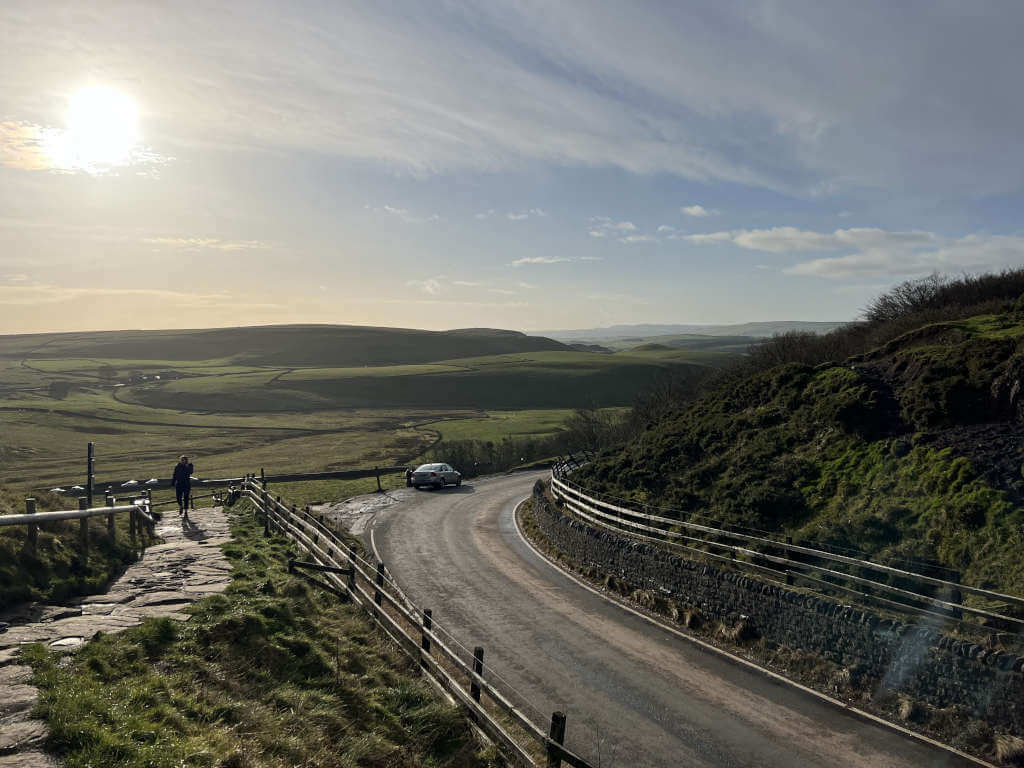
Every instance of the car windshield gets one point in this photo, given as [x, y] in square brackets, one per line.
[429, 468]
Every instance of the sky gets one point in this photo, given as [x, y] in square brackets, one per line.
[527, 165]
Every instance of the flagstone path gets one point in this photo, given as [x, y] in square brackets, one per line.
[167, 577]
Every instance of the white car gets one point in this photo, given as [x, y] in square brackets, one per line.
[436, 476]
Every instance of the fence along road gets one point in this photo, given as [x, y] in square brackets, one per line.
[635, 694]
[772, 559]
[413, 630]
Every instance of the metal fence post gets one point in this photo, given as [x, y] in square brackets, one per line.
[557, 735]
[111, 530]
[33, 529]
[478, 668]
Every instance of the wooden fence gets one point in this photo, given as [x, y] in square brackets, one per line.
[781, 560]
[338, 568]
[139, 511]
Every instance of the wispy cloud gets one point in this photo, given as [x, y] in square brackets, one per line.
[466, 283]
[539, 260]
[206, 243]
[632, 239]
[523, 215]
[484, 214]
[875, 252]
[502, 291]
[666, 228]
[404, 214]
[698, 211]
[432, 285]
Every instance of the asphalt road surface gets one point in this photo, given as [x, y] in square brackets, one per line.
[635, 695]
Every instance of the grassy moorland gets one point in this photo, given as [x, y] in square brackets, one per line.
[901, 437]
[300, 398]
[271, 673]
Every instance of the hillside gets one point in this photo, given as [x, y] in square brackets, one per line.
[280, 345]
[911, 449]
[644, 331]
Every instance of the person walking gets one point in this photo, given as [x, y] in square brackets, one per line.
[182, 482]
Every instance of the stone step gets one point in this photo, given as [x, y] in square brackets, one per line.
[17, 698]
[14, 673]
[31, 759]
[22, 735]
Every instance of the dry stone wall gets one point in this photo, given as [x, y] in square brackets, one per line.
[918, 661]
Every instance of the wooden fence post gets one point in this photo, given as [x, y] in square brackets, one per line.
[352, 573]
[557, 735]
[90, 474]
[111, 530]
[83, 530]
[33, 529]
[478, 667]
[428, 622]
[377, 470]
[131, 522]
[377, 596]
[266, 511]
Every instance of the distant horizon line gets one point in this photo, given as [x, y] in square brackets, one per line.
[533, 332]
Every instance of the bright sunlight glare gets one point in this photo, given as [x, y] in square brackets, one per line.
[101, 131]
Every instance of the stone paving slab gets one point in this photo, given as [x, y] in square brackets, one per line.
[188, 566]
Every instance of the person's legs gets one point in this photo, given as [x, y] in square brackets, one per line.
[187, 495]
[180, 493]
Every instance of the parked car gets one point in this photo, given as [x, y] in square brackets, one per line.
[436, 476]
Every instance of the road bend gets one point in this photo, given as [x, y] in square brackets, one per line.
[635, 694]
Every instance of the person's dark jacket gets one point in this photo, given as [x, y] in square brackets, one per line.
[182, 475]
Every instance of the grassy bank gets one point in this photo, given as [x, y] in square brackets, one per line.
[271, 673]
[55, 570]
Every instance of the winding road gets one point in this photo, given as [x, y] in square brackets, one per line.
[635, 694]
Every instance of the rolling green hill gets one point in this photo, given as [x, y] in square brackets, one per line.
[911, 448]
[283, 345]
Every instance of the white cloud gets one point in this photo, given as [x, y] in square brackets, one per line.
[206, 243]
[432, 285]
[405, 215]
[638, 239]
[539, 260]
[697, 210]
[598, 233]
[502, 291]
[872, 252]
[525, 286]
[798, 102]
[666, 228]
[484, 214]
[523, 215]
[466, 283]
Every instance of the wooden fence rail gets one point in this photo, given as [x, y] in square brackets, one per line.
[783, 559]
[412, 629]
[140, 517]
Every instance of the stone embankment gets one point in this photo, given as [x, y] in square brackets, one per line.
[167, 577]
[918, 661]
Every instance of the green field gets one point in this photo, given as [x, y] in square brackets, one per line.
[292, 398]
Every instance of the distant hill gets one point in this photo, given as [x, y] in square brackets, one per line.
[759, 330]
[282, 345]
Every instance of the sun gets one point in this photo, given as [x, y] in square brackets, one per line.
[102, 130]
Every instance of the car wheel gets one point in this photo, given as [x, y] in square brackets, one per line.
[458, 482]
[440, 483]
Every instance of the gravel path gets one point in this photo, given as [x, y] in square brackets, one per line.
[188, 566]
